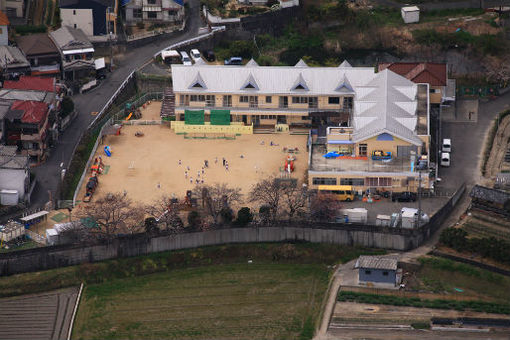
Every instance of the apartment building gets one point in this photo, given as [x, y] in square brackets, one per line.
[93, 17]
[154, 11]
[13, 8]
[375, 124]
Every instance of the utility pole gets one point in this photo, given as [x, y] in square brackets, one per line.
[419, 197]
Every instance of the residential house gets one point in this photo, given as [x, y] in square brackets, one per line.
[76, 52]
[26, 126]
[13, 8]
[14, 175]
[41, 53]
[154, 11]
[378, 270]
[433, 74]
[32, 83]
[361, 113]
[93, 17]
[4, 33]
[12, 62]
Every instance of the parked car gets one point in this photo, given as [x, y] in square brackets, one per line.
[447, 145]
[445, 159]
[195, 54]
[234, 61]
[209, 56]
[405, 196]
[185, 58]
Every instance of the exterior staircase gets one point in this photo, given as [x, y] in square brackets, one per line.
[168, 105]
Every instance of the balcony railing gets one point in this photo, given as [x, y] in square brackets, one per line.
[256, 107]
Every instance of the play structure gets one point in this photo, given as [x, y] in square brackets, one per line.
[98, 166]
[108, 151]
[289, 163]
[90, 188]
[219, 125]
[133, 113]
[379, 155]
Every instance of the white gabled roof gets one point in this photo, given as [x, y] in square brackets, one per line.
[301, 63]
[345, 63]
[251, 63]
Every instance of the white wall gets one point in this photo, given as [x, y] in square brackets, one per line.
[4, 37]
[82, 18]
[13, 179]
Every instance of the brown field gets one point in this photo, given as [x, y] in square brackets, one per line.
[154, 160]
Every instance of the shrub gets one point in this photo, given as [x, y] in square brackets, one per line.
[67, 106]
[28, 29]
[193, 219]
[420, 325]
[244, 216]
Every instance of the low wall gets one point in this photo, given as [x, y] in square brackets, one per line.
[181, 127]
[140, 244]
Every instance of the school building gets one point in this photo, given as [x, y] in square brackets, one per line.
[374, 125]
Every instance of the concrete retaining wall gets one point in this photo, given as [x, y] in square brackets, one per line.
[140, 244]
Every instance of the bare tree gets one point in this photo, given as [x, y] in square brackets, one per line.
[114, 213]
[217, 198]
[166, 212]
[498, 70]
[323, 207]
[295, 199]
[268, 192]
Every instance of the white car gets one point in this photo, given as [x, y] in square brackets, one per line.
[447, 145]
[185, 59]
[195, 54]
[445, 159]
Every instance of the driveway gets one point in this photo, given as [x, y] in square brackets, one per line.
[48, 174]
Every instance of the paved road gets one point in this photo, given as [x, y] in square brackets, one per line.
[48, 174]
[452, 4]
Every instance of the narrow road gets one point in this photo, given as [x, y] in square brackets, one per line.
[48, 174]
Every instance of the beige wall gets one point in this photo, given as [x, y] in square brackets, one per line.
[435, 98]
[82, 18]
[387, 146]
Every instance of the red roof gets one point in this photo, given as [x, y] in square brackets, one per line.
[33, 112]
[31, 83]
[4, 21]
[431, 73]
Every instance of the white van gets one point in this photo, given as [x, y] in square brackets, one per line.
[445, 159]
[185, 59]
[447, 145]
[195, 54]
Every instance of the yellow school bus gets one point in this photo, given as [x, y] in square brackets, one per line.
[340, 192]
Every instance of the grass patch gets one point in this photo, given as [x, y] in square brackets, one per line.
[420, 325]
[26, 245]
[443, 275]
[477, 306]
[249, 301]
[90, 273]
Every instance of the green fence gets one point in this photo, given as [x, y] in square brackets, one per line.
[477, 91]
[220, 117]
[194, 117]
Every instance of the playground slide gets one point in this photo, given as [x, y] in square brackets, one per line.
[107, 151]
[129, 117]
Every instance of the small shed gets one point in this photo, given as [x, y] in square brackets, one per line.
[9, 197]
[489, 197]
[410, 14]
[11, 231]
[377, 269]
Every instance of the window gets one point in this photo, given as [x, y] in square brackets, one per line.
[431, 90]
[299, 87]
[362, 150]
[384, 182]
[312, 102]
[269, 99]
[333, 100]
[378, 181]
[210, 100]
[299, 100]
[323, 181]
[368, 272]
[152, 15]
[254, 101]
[197, 86]
[74, 12]
[347, 103]
[244, 99]
[352, 181]
[385, 273]
[305, 118]
[137, 13]
[151, 2]
[74, 25]
[249, 86]
[197, 98]
[227, 101]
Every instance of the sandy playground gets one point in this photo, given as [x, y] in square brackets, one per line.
[148, 167]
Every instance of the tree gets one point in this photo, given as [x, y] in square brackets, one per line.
[268, 192]
[244, 216]
[323, 208]
[295, 199]
[114, 213]
[67, 106]
[194, 219]
[166, 212]
[218, 197]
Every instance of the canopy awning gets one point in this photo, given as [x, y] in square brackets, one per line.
[340, 142]
[34, 216]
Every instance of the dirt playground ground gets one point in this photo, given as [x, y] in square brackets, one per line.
[148, 167]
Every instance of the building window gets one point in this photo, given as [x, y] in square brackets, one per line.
[74, 25]
[152, 15]
[244, 99]
[299, 100]
[210, 100]
[269, 99]
[347, 103]
[368, 272]
[385, 273]
[227, 101]
[362, 150]
[333, 100]
[323, 181]
[305, 118]
[197, 98]
[378, 182]
[137, 13]
[384, 181]
[254, 101]
[352, 181]
[151, 2]
[74, 12]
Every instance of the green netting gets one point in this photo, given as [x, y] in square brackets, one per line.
[194, 117]
[220, 117]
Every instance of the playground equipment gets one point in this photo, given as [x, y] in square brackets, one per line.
[90, 188]
[108, 151]
[129, 116]
[331, 154]
[97, 167]
[289, 163]
[139, 134]
[379, 155]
